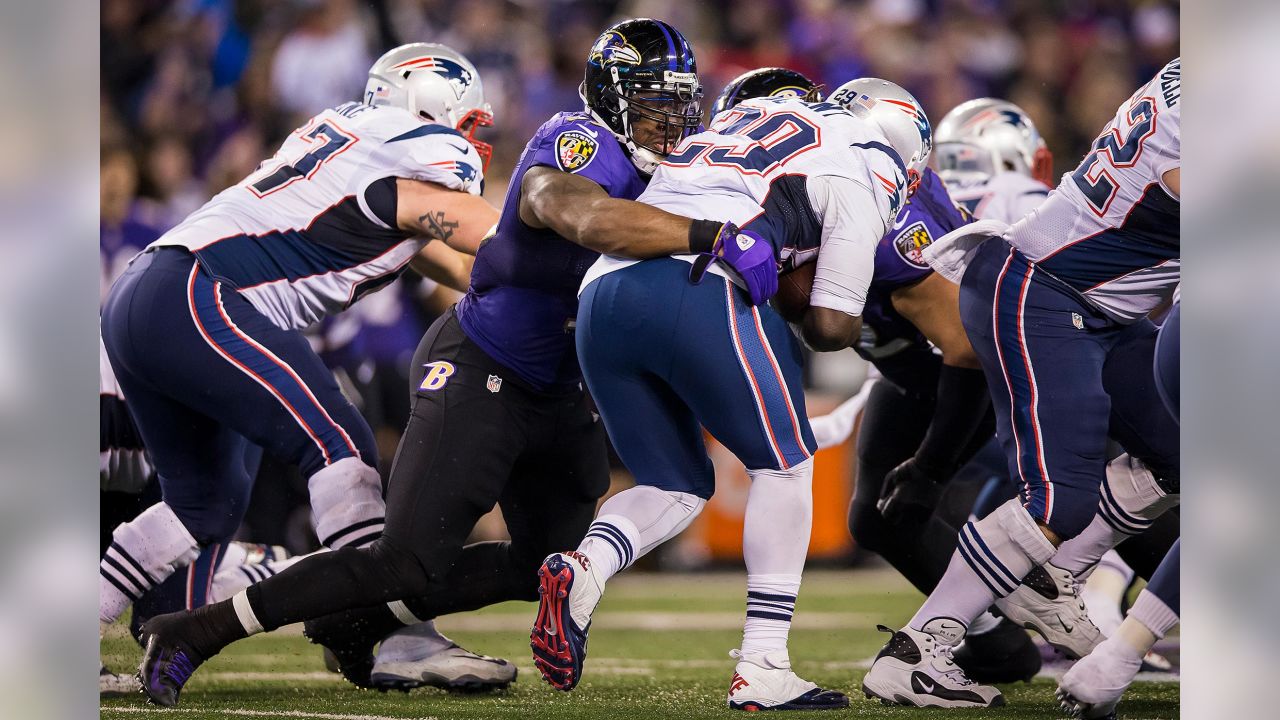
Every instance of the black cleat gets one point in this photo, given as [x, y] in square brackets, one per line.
[168, 661]
[1006, 654]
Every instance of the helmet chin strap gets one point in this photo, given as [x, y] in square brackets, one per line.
[645, 160]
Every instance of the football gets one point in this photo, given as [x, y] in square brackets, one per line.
[793, 292]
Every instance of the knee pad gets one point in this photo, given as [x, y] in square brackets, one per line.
[1132, 497]
[346, 504]
[144, 552]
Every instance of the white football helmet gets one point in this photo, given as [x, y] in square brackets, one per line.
[436, 83]
[898, 115]
[982, 137]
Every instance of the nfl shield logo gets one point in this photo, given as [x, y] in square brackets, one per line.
[494, 384]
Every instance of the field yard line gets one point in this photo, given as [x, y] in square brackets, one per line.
[642, 666]
[260, 713]
[661, 620]
[256, 676]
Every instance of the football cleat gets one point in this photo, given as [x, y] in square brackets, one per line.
[915, 668]
[568, 593]
[765, 682]
[116, 684]
[453, 668]
[1048, 601]
[167, 661]
[1005, 654]
[1092, 687]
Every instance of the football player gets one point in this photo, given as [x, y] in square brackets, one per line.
[1044, 303]
[204, 329]
[993, 160]
[927, 414]
[499, 411]
[665, 357]
[1093, 687]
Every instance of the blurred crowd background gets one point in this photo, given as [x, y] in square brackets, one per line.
[195, 93]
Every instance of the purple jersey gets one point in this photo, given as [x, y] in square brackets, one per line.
[523, 298]
[928, 215]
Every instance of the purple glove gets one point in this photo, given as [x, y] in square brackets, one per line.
[746, 254]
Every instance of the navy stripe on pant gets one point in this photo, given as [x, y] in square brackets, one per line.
[205, 373]
[1042, 348]
[665, 358]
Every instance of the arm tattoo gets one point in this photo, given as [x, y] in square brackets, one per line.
[437, 225]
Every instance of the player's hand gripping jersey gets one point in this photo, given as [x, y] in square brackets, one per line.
[1110, 229]
[314, 227]
[804, 175]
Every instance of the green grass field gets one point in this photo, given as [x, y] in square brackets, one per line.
[659, 648]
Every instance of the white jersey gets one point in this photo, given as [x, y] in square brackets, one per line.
[803, 175]
[1006, 196]
[1110, 229]
[313, 229]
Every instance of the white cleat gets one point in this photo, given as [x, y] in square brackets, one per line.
[453, 668]
[915, 668]
[764, 681]
[1093, 686]
[116, 684]
[1048, 601]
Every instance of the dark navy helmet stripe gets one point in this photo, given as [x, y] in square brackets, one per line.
[671, 45]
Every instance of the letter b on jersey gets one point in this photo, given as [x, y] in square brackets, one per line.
[438, 374]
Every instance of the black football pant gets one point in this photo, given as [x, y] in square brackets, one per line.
[477, 437]
[894, 422]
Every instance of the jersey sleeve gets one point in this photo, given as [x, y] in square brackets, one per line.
[583, 148]
[852, 225]
[899, 254]
[437, 154]
[427, 152]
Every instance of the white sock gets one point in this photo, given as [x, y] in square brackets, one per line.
[1130, 501]
[144, 552]
[775, 542]
[1082, 553]
[1154, 614]
[992, 557]
[983, 624]
[232, 578]
[771, 602]
[632, 523]
[346, 504]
